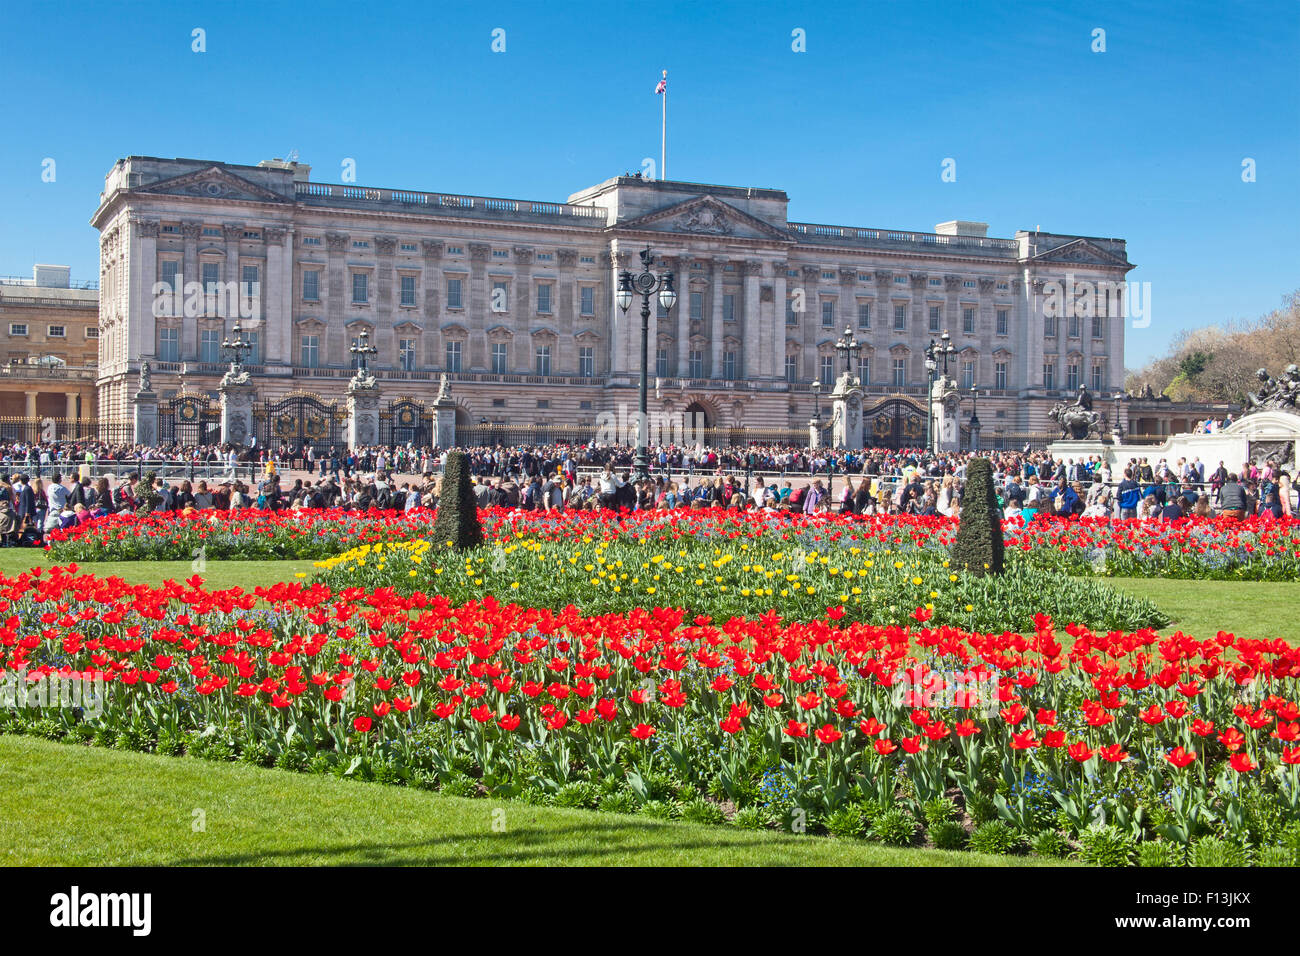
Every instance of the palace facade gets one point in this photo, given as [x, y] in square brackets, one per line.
[514, 301]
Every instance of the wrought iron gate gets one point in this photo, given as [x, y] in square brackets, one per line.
[189, 420]
[406, 421]
[300, 420]
[895, 423]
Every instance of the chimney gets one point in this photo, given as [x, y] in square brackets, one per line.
[51, 277]
[962, 227]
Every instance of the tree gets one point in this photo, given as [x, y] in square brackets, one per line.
[457, 519]
[979, 545]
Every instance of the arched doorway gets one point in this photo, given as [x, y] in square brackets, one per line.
[706, 417]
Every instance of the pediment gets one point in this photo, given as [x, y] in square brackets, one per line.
[705, 216]
[1083, 252]
[212, 183]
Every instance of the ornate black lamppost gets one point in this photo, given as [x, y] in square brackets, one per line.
[645, 284]
[974, 418]
[362, 351]
[236, 347]
[850, 348]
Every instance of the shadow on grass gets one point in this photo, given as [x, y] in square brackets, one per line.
[514, 846]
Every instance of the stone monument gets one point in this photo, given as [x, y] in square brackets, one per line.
[236, 390]
[145, 405]
[444, 415]
[945, 427]
[846, 419]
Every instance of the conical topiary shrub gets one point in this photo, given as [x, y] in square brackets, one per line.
[979, 547]
[457, 519]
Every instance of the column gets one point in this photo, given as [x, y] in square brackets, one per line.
[617, 321]
[567, 305]
[772, 350]
[336, 338]
[523, 309]
[749, 362]
[385, 339]
[478, 308]
[810, 323]
[684, 321]
[986, 329]
[142, 274]
[234, 234]
[31, 404]
[70, 408]
[275, 301]
[715, 325]
[431, 277]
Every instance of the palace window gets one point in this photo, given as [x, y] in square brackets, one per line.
[728, 307]
[169, 345]
[697, 306]
[792, 368]
[498, 358]
[500, 297]
[407, 290]
[210, 345]
[248, 281]
[1000, 375]
[254, 342]
[900, 372]
[1098, 377]
[968, 321]
[454, 300]
[864, 315]
[1074, 326]
[406, 354]
[1098, 327]
[864, 371]
[967, 374]
[211, 276]
[587, 362]
[900, 318]
[544, 298]
[1072, 376]
[310, 351]
[661, 363]
[827, 369]
[360, 288]
[729, 366]
[1002, 321]
[1049, 326]
[453, 357]
[311, 285]
[543, 363]
[697, 364]
[17, 328]
[828, 314]
[1049, 376]
[936, 317]
[57, 331]
[169, 269]
[589, 300]
[791, 316]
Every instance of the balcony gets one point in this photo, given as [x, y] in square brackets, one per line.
[31, 372]
[442, 204]
[893, 239]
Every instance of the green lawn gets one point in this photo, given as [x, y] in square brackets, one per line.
[1256, 609]
[71, 805]
[216, 574]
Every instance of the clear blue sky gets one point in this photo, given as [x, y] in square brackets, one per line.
[1144, 141]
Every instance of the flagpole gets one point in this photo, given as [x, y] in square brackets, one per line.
[663, 135]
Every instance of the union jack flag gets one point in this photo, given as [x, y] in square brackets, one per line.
[663, 84]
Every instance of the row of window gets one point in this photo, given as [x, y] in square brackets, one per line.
[209, 276]
[169, 345]
[52, 331]
[500, 299]
[1072, 380]
[1074, 326]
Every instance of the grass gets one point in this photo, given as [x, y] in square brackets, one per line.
[1254, 609]
[215, 574]
[71, 805]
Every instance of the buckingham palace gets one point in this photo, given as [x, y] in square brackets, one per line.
[513, 300]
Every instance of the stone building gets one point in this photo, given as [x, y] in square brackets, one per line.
[49, 331]
[514, 300]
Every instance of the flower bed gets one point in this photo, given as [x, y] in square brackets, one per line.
[1125, 747]
[740, 577]
[1192, 548]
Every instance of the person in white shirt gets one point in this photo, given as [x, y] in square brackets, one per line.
[57, 496]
